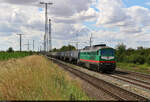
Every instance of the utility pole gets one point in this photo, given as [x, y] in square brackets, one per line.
[91, 40]
[28, 45]
[40, 48]
[33, 45]
[46, 26]
[20, 41]
[50, 36]
[77, 43]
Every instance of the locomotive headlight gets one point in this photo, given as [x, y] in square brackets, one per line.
[111, 57]
[107, 57]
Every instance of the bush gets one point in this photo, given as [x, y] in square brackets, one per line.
[10, 50]
[9, 55]
[136, 56]
[120, 58]
[128, 59]
[148, 60]
[138, 59]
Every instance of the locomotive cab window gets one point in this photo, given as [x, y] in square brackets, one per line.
[107, 52]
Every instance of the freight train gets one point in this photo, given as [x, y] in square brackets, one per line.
[98, 57]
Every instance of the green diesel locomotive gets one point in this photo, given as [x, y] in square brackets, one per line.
[98, 57]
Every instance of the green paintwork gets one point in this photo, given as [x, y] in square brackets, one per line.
[94, 55]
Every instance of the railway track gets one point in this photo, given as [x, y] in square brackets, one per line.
[114, 91]
[132, 78]
[136, 74]
[132, 81]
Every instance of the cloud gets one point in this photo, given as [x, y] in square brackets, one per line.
[140, 15]
[59, 8]
[89, 15]
[147, 3]
[111, 11]
[64, 31]
[66, 8]
[131, 20]
[68, 17]
[21, 2]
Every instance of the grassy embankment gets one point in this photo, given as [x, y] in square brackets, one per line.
[36, 78]
[144, 68]
[9, 55]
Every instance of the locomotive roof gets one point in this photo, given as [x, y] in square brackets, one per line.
[93, 48]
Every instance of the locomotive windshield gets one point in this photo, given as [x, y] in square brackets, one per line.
[107, 52]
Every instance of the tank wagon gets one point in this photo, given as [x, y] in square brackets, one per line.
[98, 57]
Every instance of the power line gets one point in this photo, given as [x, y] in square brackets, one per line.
[20, 41]
[28, 45]
[46, 27]
[77, 42]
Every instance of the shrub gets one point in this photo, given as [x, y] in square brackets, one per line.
[120, 58]
[139, 59]
[10, 49]
[128, 59]
[8, 55]
[148, 60]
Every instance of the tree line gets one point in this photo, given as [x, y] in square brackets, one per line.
[64, 48]
[139, 55]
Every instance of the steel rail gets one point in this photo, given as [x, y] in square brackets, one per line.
[118, 93]
[131, 81]
[136, 73]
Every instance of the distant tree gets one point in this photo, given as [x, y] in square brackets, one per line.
[10, 49]
[54, 50]
[121, 47]
[67, 48]
[70, 47]
[140, 48]
[129, 51]
[137, 56]
[120, 52]
[148, 59]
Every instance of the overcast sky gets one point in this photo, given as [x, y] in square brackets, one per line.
[110, 22]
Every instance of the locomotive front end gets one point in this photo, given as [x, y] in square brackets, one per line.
[107, 59]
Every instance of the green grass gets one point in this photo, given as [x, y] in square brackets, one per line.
[8, 55]
[37, 78]
[145, 68]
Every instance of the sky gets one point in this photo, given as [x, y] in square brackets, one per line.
[109, 21]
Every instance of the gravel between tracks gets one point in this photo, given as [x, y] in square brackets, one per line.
[130, 87]
[136, 75]
[90, 90]
[117, 91]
